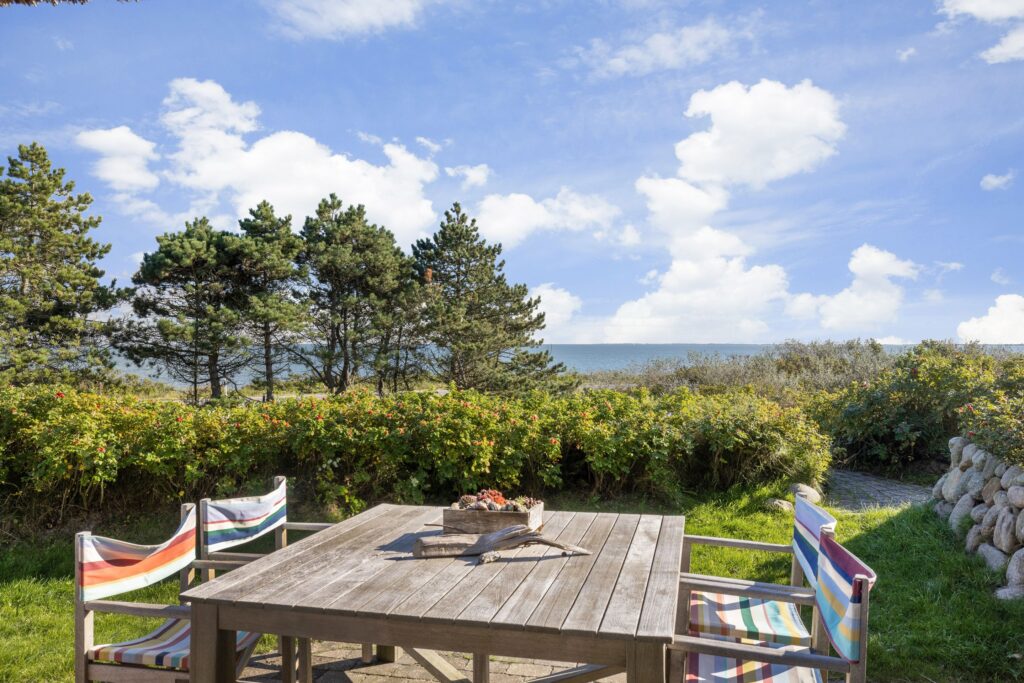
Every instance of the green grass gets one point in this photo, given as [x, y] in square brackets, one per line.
[933, 616]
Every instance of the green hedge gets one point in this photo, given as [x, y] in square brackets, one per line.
[996, 423]
[66, 450]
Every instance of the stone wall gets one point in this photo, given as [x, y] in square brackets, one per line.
[982, 497]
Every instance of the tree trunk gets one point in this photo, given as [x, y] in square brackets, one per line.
[268, 362]
[213, 364]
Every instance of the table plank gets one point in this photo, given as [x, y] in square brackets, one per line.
[448, 608]
[486, 605]
[556, 603]
[351, 570]
[340, 530]
[627, 599]
[279, 580]
[524, 600]
[658, 618]
[588, 611]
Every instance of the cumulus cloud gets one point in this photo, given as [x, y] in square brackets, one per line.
[511, 218]
[124, 158]
[335, 19]
[559, 306]
[711, 292]
[1000, 277]
[874, 297]
[215, 162]
[1011, 47]
[905, 55]
[472, 176]
[428, 144]
[675, 49]
[1002, 324]
[992, 181]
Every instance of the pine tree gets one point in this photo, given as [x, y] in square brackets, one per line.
[49, 280]
[189, 309]
[265, 261]
[356, 275]
[482, 328]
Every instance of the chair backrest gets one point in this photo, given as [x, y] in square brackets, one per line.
[810, 523]
[108, 567]
[233, 521]
[844, 583]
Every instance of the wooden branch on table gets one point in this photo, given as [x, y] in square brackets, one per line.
[458, 545]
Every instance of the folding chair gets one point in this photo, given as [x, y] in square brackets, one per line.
[757, 611]
[841, 597]
[232, 522]
[105, 567]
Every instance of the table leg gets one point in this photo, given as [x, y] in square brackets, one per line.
[287, 648]
[367, 654]
[481, 668]
[388, 653]
[213, 650]
[645, 663]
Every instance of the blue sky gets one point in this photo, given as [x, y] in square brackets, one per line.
[658, 171]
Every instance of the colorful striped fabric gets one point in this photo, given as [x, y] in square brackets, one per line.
[807, 527]
[704, 668]
[842, 581]
[231, 522]
[109, 567]
[737, 617]
[169, 645]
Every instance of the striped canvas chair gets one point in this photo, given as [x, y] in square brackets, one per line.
[843, 586]
[105, 567]
[231, 522]
[751, 610]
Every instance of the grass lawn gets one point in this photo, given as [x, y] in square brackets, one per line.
[933, 617]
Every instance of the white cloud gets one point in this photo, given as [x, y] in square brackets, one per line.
[628, 236]
[214, 162]
[1002, 324]
[759, 134]
[949, 266]
[336, 19]
[905, 55]
[892, 340]
[63, 44]
[934, 296]
[428, 144]
[1009, 49]
[991, 181]
[369, 138]
[511, 218]
[675, 49]
[472, 176]
[871, 299]
[124, 158]
[710, 292]
[1000, 277]
[985, 10]
[559, 306]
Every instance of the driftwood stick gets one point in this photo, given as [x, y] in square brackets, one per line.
[458, 545]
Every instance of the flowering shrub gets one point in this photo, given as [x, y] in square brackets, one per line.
[67, 448]
[996, 424]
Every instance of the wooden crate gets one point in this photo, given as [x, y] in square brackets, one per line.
[486, 521]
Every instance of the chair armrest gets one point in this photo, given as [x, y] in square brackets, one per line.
[139, 609]
[759, 653]
[737, 543]
[750, 589]
[219, 565]
[236, 557]
[307, 526]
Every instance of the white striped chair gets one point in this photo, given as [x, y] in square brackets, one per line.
[751, 610]
[843, 586]
[105, 567]
[231, 522]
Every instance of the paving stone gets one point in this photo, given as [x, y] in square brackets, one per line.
[859, 491]
[529, 669]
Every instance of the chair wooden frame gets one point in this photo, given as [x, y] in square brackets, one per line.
[86, 670]
[296, 654]
[819, 657]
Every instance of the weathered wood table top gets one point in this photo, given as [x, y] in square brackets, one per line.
[358, 580]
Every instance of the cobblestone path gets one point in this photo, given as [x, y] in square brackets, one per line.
[858, 490]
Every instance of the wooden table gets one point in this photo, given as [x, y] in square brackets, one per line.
[357, 582]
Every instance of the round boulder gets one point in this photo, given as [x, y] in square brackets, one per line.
[967, 460]
[978, 512]
[942, 509]
[961, 511]
[778, 505]
[937, 489]
[1009, 476]
[1015, 569]
[1004, 536]
[1000, 498]
[1010, 593]
[805, 491]
[994, 557]
[989, 520]
[975, 482]
[975, 537]
[1001, 468]
[956, 450]
[1015, 494]
[988, 491]
[949, 487]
